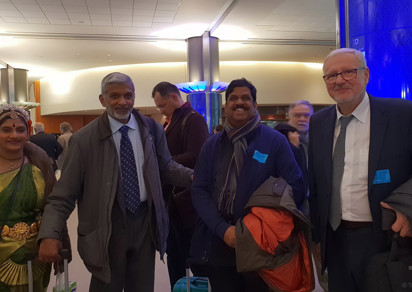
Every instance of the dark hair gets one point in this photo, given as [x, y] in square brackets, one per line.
[285, 129]
[165, 88]
[241, 83]
[219, 127]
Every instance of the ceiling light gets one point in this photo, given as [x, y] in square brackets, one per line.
[180, 46]
[181, 31]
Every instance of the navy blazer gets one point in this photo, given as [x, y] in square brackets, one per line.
[390, 149]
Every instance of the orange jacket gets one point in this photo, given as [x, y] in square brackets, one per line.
[274, 237]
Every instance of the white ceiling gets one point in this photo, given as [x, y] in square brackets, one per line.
[45, 36]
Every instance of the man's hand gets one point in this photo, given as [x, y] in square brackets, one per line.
[230, 237]
[49, 250]
[401, 224]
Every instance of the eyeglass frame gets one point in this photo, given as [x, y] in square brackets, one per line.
[341, 74]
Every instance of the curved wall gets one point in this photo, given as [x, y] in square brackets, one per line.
[276, 82]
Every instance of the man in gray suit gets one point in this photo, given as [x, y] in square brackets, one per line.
[113, 172]
[360, 150]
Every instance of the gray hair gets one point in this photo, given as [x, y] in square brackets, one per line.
[65, 127]
[38, 127]
[302, 101]
[358, 54]
[116, 77]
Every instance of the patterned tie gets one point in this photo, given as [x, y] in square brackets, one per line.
[338, 163]
[129, 173]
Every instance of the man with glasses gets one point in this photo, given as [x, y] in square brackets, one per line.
[360, 150]
[186, 131]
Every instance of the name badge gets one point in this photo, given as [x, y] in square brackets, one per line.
[260, 157]
[382, 177]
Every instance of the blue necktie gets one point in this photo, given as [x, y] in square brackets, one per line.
[129, 173]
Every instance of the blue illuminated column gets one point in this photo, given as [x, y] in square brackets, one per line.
[203, 69]
[382, 30]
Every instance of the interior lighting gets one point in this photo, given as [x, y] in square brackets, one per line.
[181, 31]
[190, 87]
[201, 86]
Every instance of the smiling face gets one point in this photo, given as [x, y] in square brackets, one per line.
[118, 100]
[13, 135]
[348, 94]
[240, 107]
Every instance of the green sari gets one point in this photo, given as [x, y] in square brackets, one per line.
[19, 237]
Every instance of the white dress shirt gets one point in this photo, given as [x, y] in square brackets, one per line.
[136, 140]
[354, 186]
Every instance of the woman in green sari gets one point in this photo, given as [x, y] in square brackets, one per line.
[26, 178]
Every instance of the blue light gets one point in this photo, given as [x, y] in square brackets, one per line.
[382, 30]
[189, 87]
[219, 86]
[201, 86]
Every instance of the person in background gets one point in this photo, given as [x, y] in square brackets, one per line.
[231, 166]
[26, 179]
[47, 142]
[185, 134]
[299, 114]
[66, 131]
[296, 146]
[360, 150]
[113, 172]
[218, 128]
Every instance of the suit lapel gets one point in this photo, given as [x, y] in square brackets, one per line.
[327, 144]
[379, 123]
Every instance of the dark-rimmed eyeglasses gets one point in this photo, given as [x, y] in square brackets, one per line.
[346, 75]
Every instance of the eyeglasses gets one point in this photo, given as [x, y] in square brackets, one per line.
[346, 75]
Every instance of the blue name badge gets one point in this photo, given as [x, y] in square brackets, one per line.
[260, 157]
[382, 177]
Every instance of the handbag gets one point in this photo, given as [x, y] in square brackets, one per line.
[391, 271]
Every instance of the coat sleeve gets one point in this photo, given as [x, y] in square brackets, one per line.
[287, 168]
[61, 201]
[194, 134]
[202, 193]
[171, 171]
[313, 194]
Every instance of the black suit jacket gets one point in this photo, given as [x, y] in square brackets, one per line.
[390, 149]
[49, 144]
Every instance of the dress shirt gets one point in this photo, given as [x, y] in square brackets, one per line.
[136, 140]
[354, 186]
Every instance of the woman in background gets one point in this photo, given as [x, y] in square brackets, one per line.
[26, 178]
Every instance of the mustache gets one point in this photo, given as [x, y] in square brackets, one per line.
[241, 107]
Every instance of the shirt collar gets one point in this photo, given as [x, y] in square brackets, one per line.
[360, 112]
[116, 125]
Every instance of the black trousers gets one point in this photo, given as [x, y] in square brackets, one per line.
[348, 254]
[131, 254]
[178, 249]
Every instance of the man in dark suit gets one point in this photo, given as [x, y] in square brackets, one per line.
[360, 150]
[186, 131]
[47, 142]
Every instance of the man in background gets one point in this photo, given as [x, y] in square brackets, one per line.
[299, 114]
[66, 131]
[186, 131]
[47, 142]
